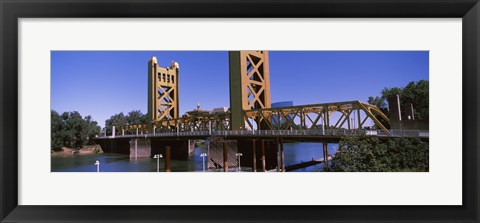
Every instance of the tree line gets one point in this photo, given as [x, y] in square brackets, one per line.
[120, 119]
[415, 93]
[370, 154]
[72, 130]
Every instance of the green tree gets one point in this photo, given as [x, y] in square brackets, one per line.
[380, 103]
[119, 120]
[68, 132]
[57, 131]
[136, 117]
[372, 155]
[71, 130]
[77, 126]
[92, 130]
[116, 120]
[415, 93]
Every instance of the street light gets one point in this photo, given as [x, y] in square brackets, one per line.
[239, 155]
[203, 155]
[97, 163]
[158, 156]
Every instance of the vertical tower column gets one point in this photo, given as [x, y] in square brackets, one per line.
[163, 91]
[249, 84]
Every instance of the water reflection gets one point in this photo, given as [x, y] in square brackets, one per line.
[294, 153]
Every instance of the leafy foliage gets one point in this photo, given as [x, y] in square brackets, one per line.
[72, 130]
[415, 93]
[372, 155]
[57, 131]
[118, 120]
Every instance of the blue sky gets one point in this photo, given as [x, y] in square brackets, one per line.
[103, 83]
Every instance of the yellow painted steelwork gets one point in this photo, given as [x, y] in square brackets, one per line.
[305, 117]
[249, 103]
[163, 87]
[249, 84]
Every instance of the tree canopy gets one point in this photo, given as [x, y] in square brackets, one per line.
[72, 130]
[415, 93]
[357, 154]
[118, 120]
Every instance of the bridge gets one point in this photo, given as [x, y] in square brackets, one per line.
[331, 135]
[250, 122]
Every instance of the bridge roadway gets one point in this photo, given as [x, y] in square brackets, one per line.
[294, 135]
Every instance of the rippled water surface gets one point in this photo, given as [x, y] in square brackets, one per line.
[294, 153]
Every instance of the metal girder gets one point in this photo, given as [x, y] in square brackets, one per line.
[249, 103]
[135, 129]
[249, 84]
[301, 117]
[196, 121]
[296, 117]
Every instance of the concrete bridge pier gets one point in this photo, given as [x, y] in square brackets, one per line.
[140, 148]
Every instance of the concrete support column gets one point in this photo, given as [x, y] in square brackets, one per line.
[325, 155]
[282, 154]
[225, 158]
[263, 156]
[167, 159]
[254, 165]
[136, 153]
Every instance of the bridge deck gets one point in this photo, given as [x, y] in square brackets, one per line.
[325, 134]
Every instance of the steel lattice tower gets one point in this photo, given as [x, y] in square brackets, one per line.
[249, 84]
[163, 86]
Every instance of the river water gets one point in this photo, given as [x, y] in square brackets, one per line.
[109, 162]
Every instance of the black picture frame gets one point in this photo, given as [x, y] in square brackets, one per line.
[11, 11]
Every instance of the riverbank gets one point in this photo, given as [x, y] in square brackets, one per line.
[85, 150]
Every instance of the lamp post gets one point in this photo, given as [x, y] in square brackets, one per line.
[203, 155]
[97, 163]
[158, 156]
[239, 155]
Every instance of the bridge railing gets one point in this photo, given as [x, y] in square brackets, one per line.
[315, 132]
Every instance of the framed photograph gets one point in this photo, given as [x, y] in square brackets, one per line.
[310, 111]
